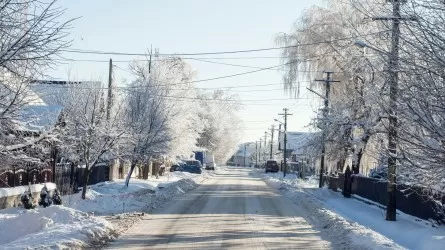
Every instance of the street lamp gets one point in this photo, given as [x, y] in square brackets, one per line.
[362, 44]
[278, 121]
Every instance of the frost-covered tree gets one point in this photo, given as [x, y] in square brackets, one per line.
[221, 134]
[89, 137]
[323, 39]
[184, 125]
[421, 95]
[146, 119]
[31, 35]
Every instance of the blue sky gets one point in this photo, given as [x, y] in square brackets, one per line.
[190, 26]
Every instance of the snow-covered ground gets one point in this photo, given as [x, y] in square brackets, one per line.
[51, 227]
[107, 198]
[350, 221]
[73, 225]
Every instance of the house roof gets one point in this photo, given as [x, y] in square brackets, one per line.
[38, 118]
[54, 92]
[296, 141]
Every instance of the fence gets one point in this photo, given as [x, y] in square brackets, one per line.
[412, 200]
[13, 176]
[66, 178]
[99, 173]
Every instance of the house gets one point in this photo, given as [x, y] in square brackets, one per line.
[245, 155]
[301, 147]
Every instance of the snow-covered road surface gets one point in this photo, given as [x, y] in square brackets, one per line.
[234, 210]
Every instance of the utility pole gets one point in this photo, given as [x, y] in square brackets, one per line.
[256, 154]
[285, 114]
[396, 18]
[271, 141]
[245, 149]
[259, 152]
[149, 62]
[279, 142]
[265, 138]
[328, 82]
[110, 89]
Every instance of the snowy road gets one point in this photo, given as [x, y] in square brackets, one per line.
[233, 210]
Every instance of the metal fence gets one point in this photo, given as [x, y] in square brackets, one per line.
[412, 200]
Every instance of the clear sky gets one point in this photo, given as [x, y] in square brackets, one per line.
[190, 26]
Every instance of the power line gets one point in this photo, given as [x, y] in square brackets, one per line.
[226, 100]
[80, 51]
[234, 75]
[228, 64]
[198, 88]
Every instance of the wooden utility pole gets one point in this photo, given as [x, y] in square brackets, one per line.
[149, 61]
[245, 150]
[328, 82]
[396, 18]
[271, 141]
[265, 138]
[110, 90]
[259, 152]
[285, 114]
[256, 154]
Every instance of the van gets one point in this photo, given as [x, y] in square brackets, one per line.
[272, 166]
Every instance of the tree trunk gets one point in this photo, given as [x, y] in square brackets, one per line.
[86, 178]
[132, 166]
[362, 150]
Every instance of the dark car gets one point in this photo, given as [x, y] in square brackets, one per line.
[177, 167]
[192, 166]
[272, 166]
[379, 173]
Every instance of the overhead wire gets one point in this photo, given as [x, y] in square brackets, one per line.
[214, 53]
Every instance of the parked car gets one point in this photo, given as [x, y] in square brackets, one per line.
[192, 166]
[272, 166]
[177, 167]
[379, 173]
[210, 162]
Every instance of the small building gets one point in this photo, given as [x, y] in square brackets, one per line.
[245, 155]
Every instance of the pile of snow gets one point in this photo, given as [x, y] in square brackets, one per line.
[113, 197]
[353, 223]
[4, 192]
[51, 227]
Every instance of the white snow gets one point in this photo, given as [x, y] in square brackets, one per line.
[113, 197]
[73, 225]
[350, 220]
[4, 192]
[52, 227]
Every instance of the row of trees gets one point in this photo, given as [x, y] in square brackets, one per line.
[324, 38]
[160, 112]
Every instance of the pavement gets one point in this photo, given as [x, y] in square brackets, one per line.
[233, 210]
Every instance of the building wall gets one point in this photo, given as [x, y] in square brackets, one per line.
[239, 160]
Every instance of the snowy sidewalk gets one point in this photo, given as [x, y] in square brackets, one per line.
[351, 222]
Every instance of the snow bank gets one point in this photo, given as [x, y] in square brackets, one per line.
[108, 198]
[4, 192]
[52, 227]
[350, 222]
